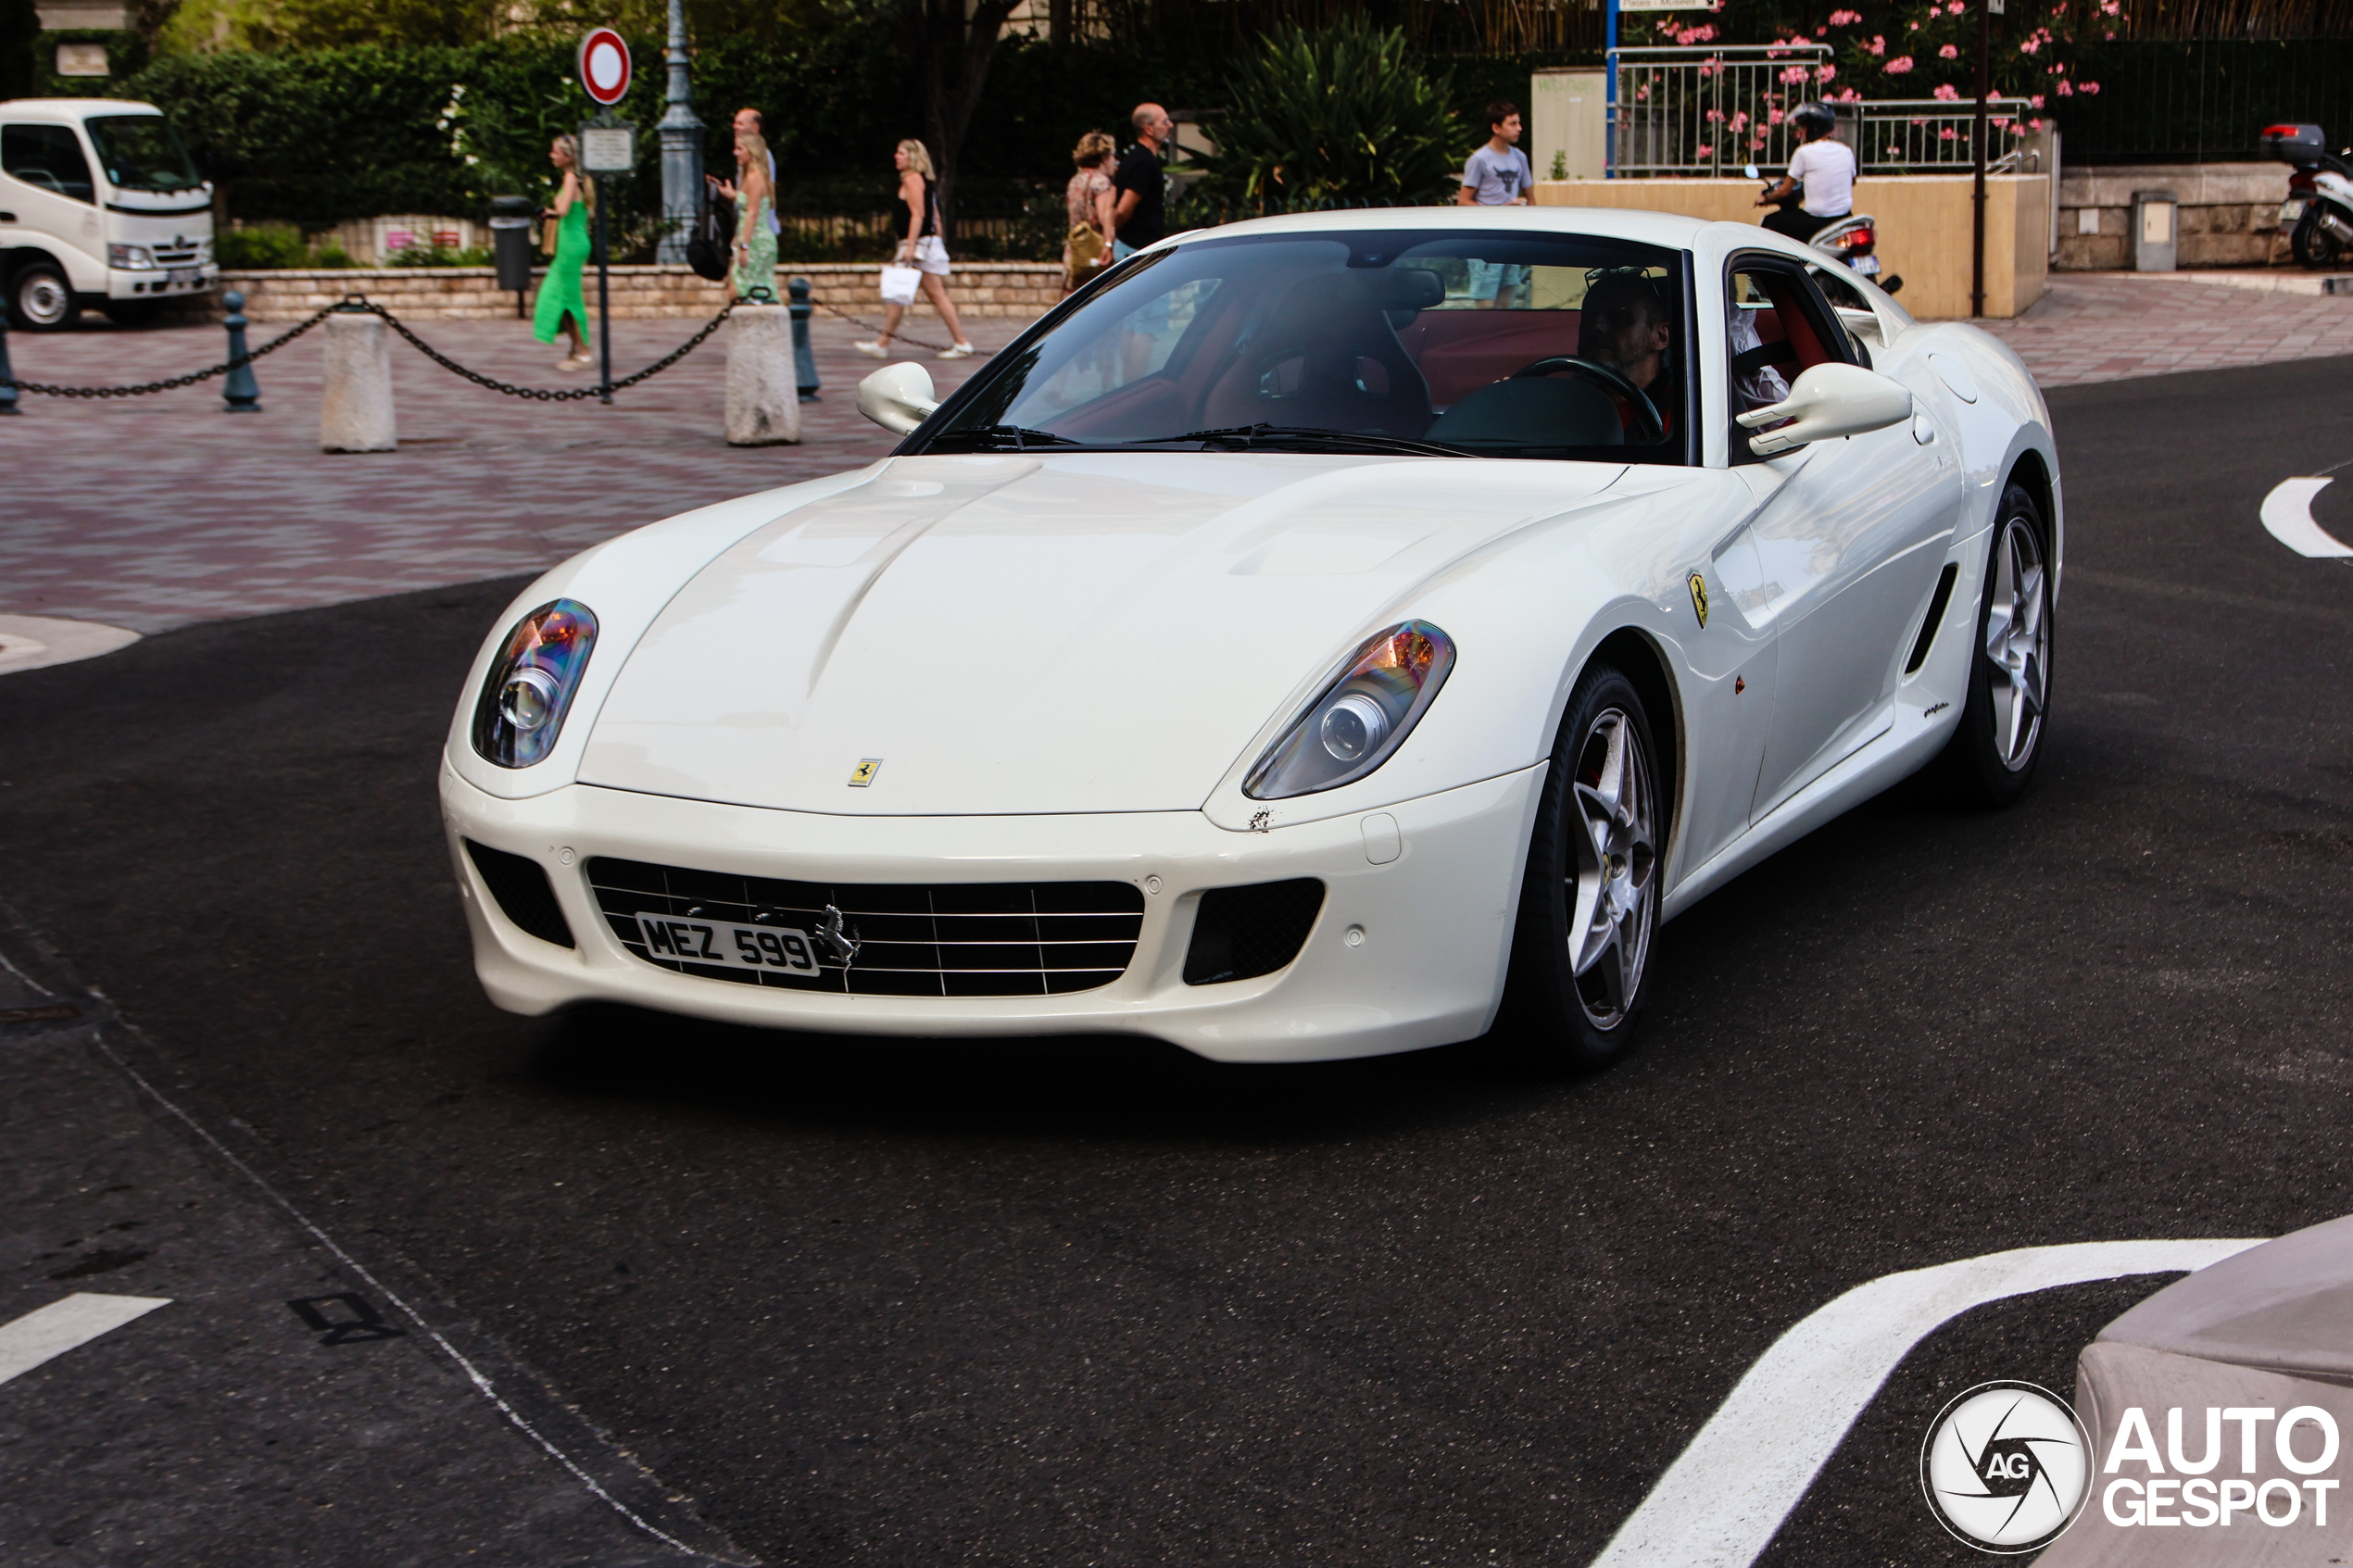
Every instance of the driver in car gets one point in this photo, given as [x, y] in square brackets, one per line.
[1625, 325]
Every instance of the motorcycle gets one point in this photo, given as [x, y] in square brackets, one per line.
[1849, 241]
[2320, 195]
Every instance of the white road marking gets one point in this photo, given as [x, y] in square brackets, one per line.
[1720, 1504]
[2287, 513]
[53, 1330]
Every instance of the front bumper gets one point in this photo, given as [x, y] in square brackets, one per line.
[161, 282]
[1403, 955]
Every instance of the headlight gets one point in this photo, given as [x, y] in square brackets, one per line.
[1362, 715]
[522, 707]
[131, 259]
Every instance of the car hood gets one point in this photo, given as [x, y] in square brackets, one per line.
[1015, 635]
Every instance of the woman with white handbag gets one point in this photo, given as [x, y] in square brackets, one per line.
[921, 260]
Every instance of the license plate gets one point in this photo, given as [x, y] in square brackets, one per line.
[1867, 265]
[2290, 211]
[180, 275]
[728, 945]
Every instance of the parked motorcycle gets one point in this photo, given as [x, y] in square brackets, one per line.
[2320, 195]
[1850, 240]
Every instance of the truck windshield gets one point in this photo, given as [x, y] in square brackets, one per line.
[139, 152]
[1478, 343]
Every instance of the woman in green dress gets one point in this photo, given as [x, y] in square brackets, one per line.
[755, 245]
[561, 306]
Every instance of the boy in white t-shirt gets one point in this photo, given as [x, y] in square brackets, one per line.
[1824, 166]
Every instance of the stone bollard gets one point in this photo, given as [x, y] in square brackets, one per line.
[240, 392]
[355, 413]
[804, 359]
[763, 408]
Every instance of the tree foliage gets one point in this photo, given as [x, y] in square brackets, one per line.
[20, 27]
[1336, 115]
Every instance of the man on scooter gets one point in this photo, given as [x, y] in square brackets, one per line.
[1822, 168]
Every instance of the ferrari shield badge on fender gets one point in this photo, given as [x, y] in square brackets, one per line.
[1699, 598]
[864, 774]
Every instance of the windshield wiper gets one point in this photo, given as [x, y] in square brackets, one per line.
[999, 438]
[1276, 437]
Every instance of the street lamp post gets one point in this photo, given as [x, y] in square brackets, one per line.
[681, 148]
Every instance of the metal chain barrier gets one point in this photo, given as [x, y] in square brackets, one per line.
[176, 383]
[356, 303]
[567, 395]
[901, 337]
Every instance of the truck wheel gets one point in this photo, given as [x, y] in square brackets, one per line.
[40, 299]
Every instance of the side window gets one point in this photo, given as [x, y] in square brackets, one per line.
[1853, 311]
[47, 157]
[1775, 329]
[1135, 349]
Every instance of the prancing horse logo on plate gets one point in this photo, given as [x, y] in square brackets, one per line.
[1699, 598]
[864, 774]
[831, 931]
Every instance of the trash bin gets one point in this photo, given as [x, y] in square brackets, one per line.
[510, 244]
[2155, 221]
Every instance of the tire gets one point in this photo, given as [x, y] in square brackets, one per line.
[1992, 757]
[133, 312]
[41, 299]
[2315, 247]
[1579, 969]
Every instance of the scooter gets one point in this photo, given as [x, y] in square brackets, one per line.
[2320, 195]
[1850, 240]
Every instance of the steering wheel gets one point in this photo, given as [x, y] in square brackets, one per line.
[1647, 428]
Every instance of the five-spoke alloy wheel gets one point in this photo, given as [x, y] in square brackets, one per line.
[1588, 901]
[1993, 753]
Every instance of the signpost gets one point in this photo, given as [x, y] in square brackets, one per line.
[607, 146]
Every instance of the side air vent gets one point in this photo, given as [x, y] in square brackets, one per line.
[1937, 601]
[521, 886]
[1244, 932]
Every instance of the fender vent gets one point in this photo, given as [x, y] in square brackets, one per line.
[1241, 932]
[1936, 603]
[520, 884]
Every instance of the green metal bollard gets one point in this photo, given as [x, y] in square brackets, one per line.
[240, 394]
[804, 362]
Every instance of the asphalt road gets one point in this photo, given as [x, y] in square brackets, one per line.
[872, 1302]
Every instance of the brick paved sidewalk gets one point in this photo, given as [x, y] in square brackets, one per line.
[149, 512]
[154, 511]
[2093, 327]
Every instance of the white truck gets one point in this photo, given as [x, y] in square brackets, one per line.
[99, 206]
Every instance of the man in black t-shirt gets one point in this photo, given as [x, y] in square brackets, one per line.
[1140, 217]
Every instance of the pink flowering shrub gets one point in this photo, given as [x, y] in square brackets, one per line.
[1949, 52]
[1900, 66]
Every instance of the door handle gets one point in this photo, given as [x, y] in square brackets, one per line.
[7, 217]
[1923, 431]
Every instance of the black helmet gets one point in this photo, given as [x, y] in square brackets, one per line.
[1815, 119]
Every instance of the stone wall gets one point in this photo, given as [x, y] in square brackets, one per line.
[2229, 215]
[1018, 289]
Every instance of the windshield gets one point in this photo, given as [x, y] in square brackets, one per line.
[1454, 343]
[139, 152]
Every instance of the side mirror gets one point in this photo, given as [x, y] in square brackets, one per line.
[898, 397]
[1826, 402]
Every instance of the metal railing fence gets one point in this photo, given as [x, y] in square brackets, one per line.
[1707, 111]
[1931, 135]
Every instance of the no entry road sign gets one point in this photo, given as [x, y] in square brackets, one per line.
[604, 66]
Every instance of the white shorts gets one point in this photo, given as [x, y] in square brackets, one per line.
[931, 255]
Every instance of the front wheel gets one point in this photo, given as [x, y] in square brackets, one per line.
[1991, 758]
[2315, 247]
[41, 298]
[1588, 901]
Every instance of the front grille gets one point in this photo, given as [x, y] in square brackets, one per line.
[175, 256]
[916, 939]
[1241, 933]
[520, 884]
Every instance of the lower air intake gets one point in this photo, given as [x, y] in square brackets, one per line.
[520, 884]
[1241, 933]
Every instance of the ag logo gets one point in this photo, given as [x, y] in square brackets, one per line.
[2006, 1467]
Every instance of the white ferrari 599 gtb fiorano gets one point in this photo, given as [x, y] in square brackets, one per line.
[1320, 637]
